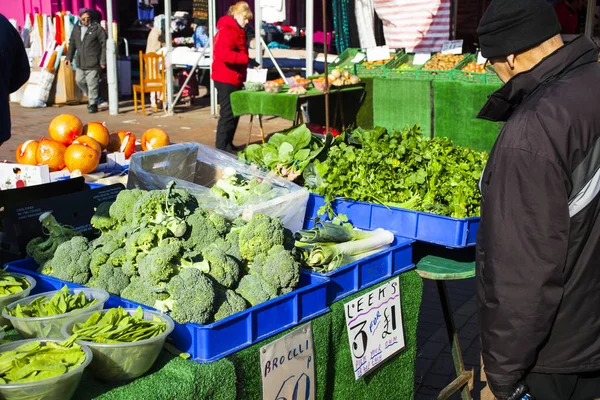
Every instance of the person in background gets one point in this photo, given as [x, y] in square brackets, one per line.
[200, 34]
[538, 243]
[567, 13]
[229, 68]
[14, 72]
[88, 39]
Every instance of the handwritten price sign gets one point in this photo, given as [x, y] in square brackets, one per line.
[288, 367]
[375, 330]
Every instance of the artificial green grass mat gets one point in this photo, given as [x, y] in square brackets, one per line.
[398, 103]
[395, 378]
[263, 103]
[456, 105]
[238, 376]
[364, 118]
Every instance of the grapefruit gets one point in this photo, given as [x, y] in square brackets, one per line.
[88, 141]
[82, 158]
[154, 138]
[114, 143]
[26, 152]
[51, 153]
[65, 128]
[98, 132]
[127, 146]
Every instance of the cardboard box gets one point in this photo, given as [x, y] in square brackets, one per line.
[14, 176]
[65, 90]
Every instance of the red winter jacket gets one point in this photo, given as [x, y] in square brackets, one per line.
[230, 54]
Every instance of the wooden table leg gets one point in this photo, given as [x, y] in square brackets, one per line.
[462, 376]
[250, 131]
[262, 132]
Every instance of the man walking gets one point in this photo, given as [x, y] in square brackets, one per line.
[89, 40]
[14, 72]
[538, 244]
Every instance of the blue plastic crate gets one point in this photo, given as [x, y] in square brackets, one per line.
[367, 272]
[423, 227]
[207, 343]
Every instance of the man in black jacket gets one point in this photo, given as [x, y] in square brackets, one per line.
[538, 245]
[14, 71]
[89, 40]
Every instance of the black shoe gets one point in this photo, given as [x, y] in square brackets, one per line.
[236, 148]
[93, 108]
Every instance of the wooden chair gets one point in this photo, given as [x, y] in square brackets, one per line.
[152, 79]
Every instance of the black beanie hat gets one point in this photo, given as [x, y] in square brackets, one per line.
[511, 26]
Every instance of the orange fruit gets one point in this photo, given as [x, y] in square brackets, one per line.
[65, 128]
[127, 143]
[154, 138]
[97, 131]
[114, 143]
[88, 141]
[51, 153]
[81, 157]
[26, 152]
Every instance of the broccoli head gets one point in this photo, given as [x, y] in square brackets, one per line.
[224, 269]
[141, 241]
[109, 278]
[42, 249]
[102, 220]
[118, 258]
[153, 208]
[109, 242]
[71, 262]
[227, 303]
[201, 231]
[122, 208]
[255, 290]
[192, 297]
[161, 262]
[141, 291]
[278, 268]
[259, 235]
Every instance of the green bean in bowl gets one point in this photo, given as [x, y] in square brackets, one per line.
[13, 286]
[48, 369]
[125, 342]
[253, 86]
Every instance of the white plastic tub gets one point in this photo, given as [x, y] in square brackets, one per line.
[6, 300]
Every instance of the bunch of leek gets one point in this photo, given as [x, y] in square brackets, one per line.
[333, 244]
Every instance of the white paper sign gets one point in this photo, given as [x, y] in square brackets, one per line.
[481, 59]
[287, 366]
[421, 58]
[374, 324]
[378, 53]
[358, 58]
[452, 47]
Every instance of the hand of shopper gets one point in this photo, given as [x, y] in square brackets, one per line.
[102, 66]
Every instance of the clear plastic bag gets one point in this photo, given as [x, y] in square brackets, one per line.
[197, 168]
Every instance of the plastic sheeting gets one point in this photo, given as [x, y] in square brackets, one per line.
[197, 168]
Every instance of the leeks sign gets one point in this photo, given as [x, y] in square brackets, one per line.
[374, 324]
[288, 367]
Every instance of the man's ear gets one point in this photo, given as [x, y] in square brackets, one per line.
[510, 59]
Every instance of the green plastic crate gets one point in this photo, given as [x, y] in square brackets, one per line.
[422, 75]
[465, 76]
[391, 68]
[377, 70]
[344, 60]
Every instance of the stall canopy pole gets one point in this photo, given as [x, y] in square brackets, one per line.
[212, 30]
[169, 67]
[308, 34]
[258, 32]
[324, 5]
[590, 20]
[111, 63]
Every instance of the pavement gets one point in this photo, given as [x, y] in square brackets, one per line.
[434, 366]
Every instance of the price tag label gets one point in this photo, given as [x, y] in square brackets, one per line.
[421, 58]
[481, 59]
[452, 47]
[374, 324]
[358, 58]
[378, 53]
[287, 366]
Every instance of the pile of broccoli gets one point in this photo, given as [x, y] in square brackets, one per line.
[240, 190]
[161, 249]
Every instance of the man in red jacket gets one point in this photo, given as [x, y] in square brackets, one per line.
[230, 63]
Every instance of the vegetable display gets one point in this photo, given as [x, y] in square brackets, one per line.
[61, 303]
[287, 153]
[117, 326]
[37, 361]
[442, 62]
[240, 190]
[161, 249]
[401, 169]
[10, 284]
[339, 78]
[331, 245]
[41, 249]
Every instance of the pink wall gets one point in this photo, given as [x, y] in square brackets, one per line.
[18, 8]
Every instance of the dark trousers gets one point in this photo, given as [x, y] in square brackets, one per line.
[584, 386]
[227, 122]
